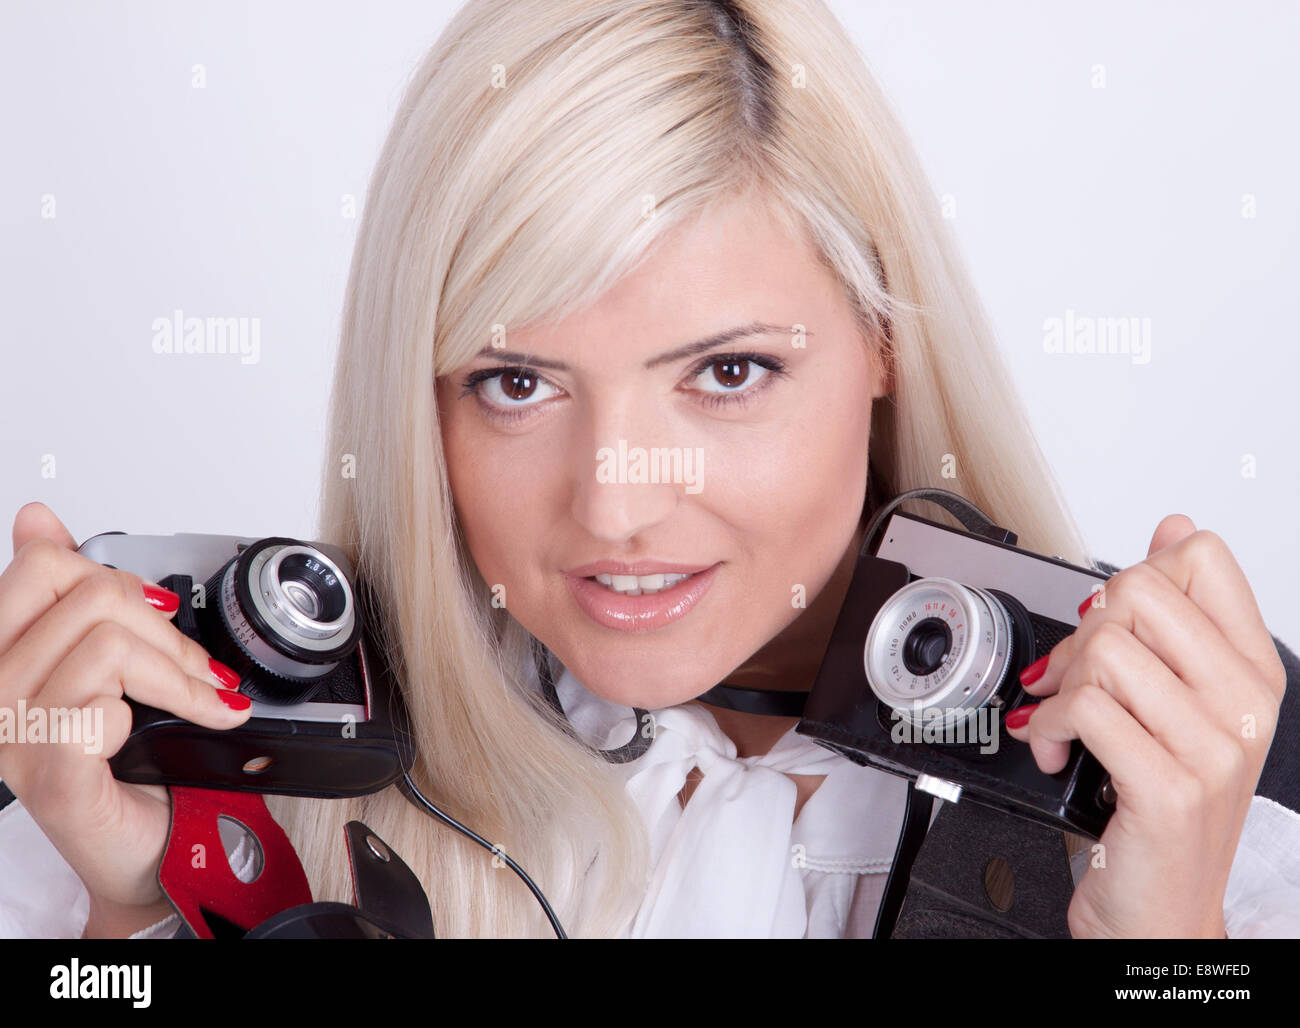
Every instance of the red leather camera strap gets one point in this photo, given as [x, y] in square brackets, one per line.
[195, 874]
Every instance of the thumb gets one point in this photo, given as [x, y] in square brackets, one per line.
[35, 520]
[1171, 529]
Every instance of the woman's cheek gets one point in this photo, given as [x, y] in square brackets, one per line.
[483, 512]
[796, 472]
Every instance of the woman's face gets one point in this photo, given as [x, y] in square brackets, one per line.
[760, 501]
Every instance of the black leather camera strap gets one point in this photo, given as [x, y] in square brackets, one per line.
[772, 702]
[633, 748]
[916, 823]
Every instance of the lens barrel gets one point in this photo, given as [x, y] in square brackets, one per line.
[286, 608]
[938, 650]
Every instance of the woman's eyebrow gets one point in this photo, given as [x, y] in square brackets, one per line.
[689, 350]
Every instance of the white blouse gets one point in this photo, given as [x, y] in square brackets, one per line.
[734, 862]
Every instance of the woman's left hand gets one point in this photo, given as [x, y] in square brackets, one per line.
[1173, 683]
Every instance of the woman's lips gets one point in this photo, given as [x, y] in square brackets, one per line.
[640, 613]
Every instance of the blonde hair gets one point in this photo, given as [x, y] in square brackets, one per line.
[541, 148]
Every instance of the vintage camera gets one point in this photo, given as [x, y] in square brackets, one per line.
[328, 717]
[925, 658]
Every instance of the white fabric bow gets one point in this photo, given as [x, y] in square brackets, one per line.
[732, 863]
[724, 866]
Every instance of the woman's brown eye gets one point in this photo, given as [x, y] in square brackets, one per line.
[514, 389]
[519, 385]
[731, 373]
[735, 376]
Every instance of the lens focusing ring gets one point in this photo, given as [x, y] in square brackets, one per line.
[975, 665]
[270, 627]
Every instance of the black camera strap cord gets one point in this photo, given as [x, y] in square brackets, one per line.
[409, 789]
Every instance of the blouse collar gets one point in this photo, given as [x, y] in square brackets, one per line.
[850, 824]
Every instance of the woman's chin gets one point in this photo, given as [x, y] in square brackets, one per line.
[648, 684]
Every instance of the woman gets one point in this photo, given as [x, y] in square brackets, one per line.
[601, 229]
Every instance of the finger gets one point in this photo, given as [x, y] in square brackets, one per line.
[1203, 568]
[1146, 603]
[1174, 715]
[1173, 528]
[1116, 599]
[43, 572]
[108, 664]
[1042, 677]
[111, 662]
[1138, 765]
[35, 520]
[106, 595]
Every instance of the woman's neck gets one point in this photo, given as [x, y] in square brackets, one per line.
[789, 661]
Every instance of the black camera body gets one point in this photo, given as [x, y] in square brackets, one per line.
[924, 662]
[328, 717]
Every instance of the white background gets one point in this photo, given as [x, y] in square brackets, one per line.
[1122, 201]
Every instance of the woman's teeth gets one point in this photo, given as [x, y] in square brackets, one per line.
[639, 585]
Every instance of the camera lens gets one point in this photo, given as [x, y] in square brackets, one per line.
[936, 644]
[287, 608]
[926, 647]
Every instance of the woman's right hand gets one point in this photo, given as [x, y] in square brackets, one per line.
[75, 634]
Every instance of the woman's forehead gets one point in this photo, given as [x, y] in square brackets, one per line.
[734, 267]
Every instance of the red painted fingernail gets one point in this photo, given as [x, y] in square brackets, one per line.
[1019, 717]
[226, 676]
[1034, 671]
[234, 700]
[162, 599]
[1083, 607]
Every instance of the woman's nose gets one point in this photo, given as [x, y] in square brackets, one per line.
[629, 474]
